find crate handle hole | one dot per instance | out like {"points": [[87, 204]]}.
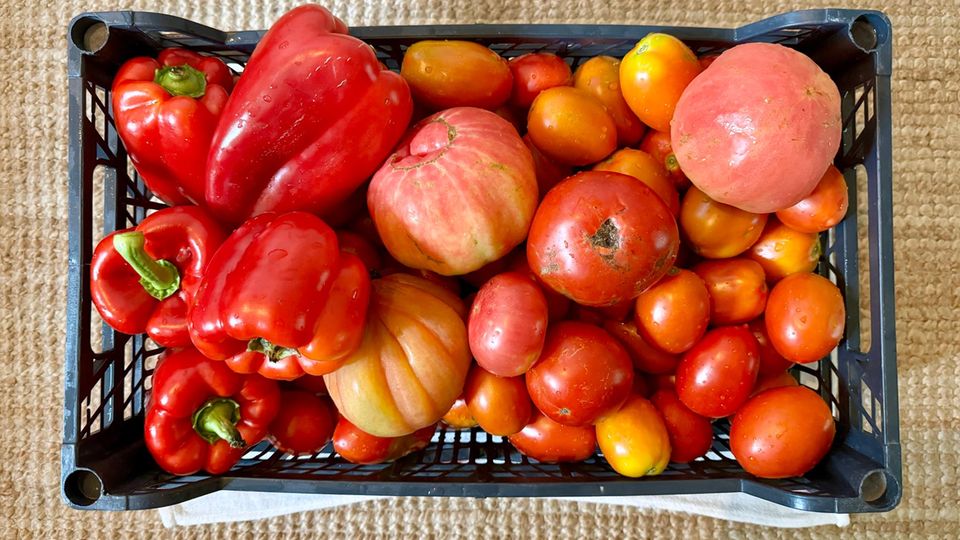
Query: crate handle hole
{"points": [[89, 34], [83, 487], [868, 32], [873, 486]]}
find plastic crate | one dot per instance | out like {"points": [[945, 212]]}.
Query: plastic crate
{"points": [[105, 464]]}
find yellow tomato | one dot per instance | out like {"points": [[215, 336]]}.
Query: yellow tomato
{"points": [[634, 439], [653, 75]]}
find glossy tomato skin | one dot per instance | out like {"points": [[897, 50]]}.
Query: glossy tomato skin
{"points": [[782, 251], [643, 167], [358, 446], [657, 144], [674, 313], [600, 238], [691, 435], [459, 415], [501, 405], [738, 289], [534, 73], [771, 362], [654, 74], [550, 442], [549, 171], [508, 323], [304, 423], [582, 374], [634, 439], [782, 432], [444, 74], [716, 376], [805, 317], [646, 358], [571, 126], [716, 230], [823, 208], [600, 77]]}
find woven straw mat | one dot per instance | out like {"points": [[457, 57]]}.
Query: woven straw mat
{"points": [[33, 258]]}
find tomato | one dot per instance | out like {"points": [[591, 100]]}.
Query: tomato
{"points": [[459, 416], [661, 382], [600, 238], [508, 323], [782, 251], [478, 277], [549, 172], [784, 378], [716, 230], [600, 77], [586, 315], [444, 74], [304, 423], [646, 357], [358, 446], [558, 305], [501, 405], [823, 208], [534, 73], [643, 167], [771, 362], [549, 442], [363, 225], [641, 386], [571, 126], [654, 74], [782, 432], [352, 242], [634, 439], [657, 144], [716, 376], [805, 317], [510, 115], [738, 289], [582, 374], [618, 312], [673, 314], [311, 383], [691, 435]]}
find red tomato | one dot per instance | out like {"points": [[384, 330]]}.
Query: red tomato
{"points": [[784, 378], [673, 314], [459, 416], [805, 317], [661, 382], [645, 168], [358, 446], [311, 383], [690, 434], [771, 362], [782, 251], [657, 144], [558, 305], [738, 289], [535, 72], [501, 405], [716, 230], [352, 242], [510, 115], [823, 208], [641, 386], [654, 74], [549, 442], [571, 126], [634, 439], [716, 376], [582, 374], [445, 74], [618, 312], [646, 357], [586, 315], [600, 238], [600, 77], [782, 432], [507, 325], [549, 172], [304, 423]]}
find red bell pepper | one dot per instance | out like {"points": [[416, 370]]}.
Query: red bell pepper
{"points": [[312, 117], [202, 415], [143, 278], [281, 299], [166, 110]]}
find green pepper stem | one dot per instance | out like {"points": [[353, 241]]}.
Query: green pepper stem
{"points": [[159, 278], [181, 81], [273, 352], [217, 419]]}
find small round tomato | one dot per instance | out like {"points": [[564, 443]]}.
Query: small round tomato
{"points": [[549, 442], [311, 383], [673, 314], [738, 289], [445, 74], [782, 251], [634, 439], [771, 362], [304, 423], [600, 76], [558, 305], [352, 242], [823, 208], [600, 238], [805, 317], [782, 432], [646, 357], [358, 446], [501, 405], [717, 375], [507, 324], [784, 378], [571, 126], [643, 167], [459, 416], [657, 144], [535, 72], [716, 230], [549, 172], [582, 374], [691, 435], [654, 74]]}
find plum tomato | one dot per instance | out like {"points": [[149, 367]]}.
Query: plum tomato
{"points": [[646, 357], [445, 74], [501, 405], [549, 442], [805, 317], [507, 324], [600, 76], [304, 423], [691, 435], [738, 289], [459, 417], [674, 313], [716, 376], [634, 439], [535, 72], [571, 126], [716, 230], [782, 251], [654, 74], [823, 208], [657, 144], [771, 362]]}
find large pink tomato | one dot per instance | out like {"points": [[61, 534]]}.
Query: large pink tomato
{"points": [[459, 192]]}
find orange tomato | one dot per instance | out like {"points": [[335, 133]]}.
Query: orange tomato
{"points": [[716, 230], [738, 289], [657, 144], [634, 440], [646, 358], [654, 74], [600, 76], [805, 317], [444, 74], [571, 126], [782, 251], [673, 314], [459, 417], [501, 405], [643, 167], [823, 208]]}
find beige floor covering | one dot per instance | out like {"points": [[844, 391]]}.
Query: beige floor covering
{"points": [[33, 260]]}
